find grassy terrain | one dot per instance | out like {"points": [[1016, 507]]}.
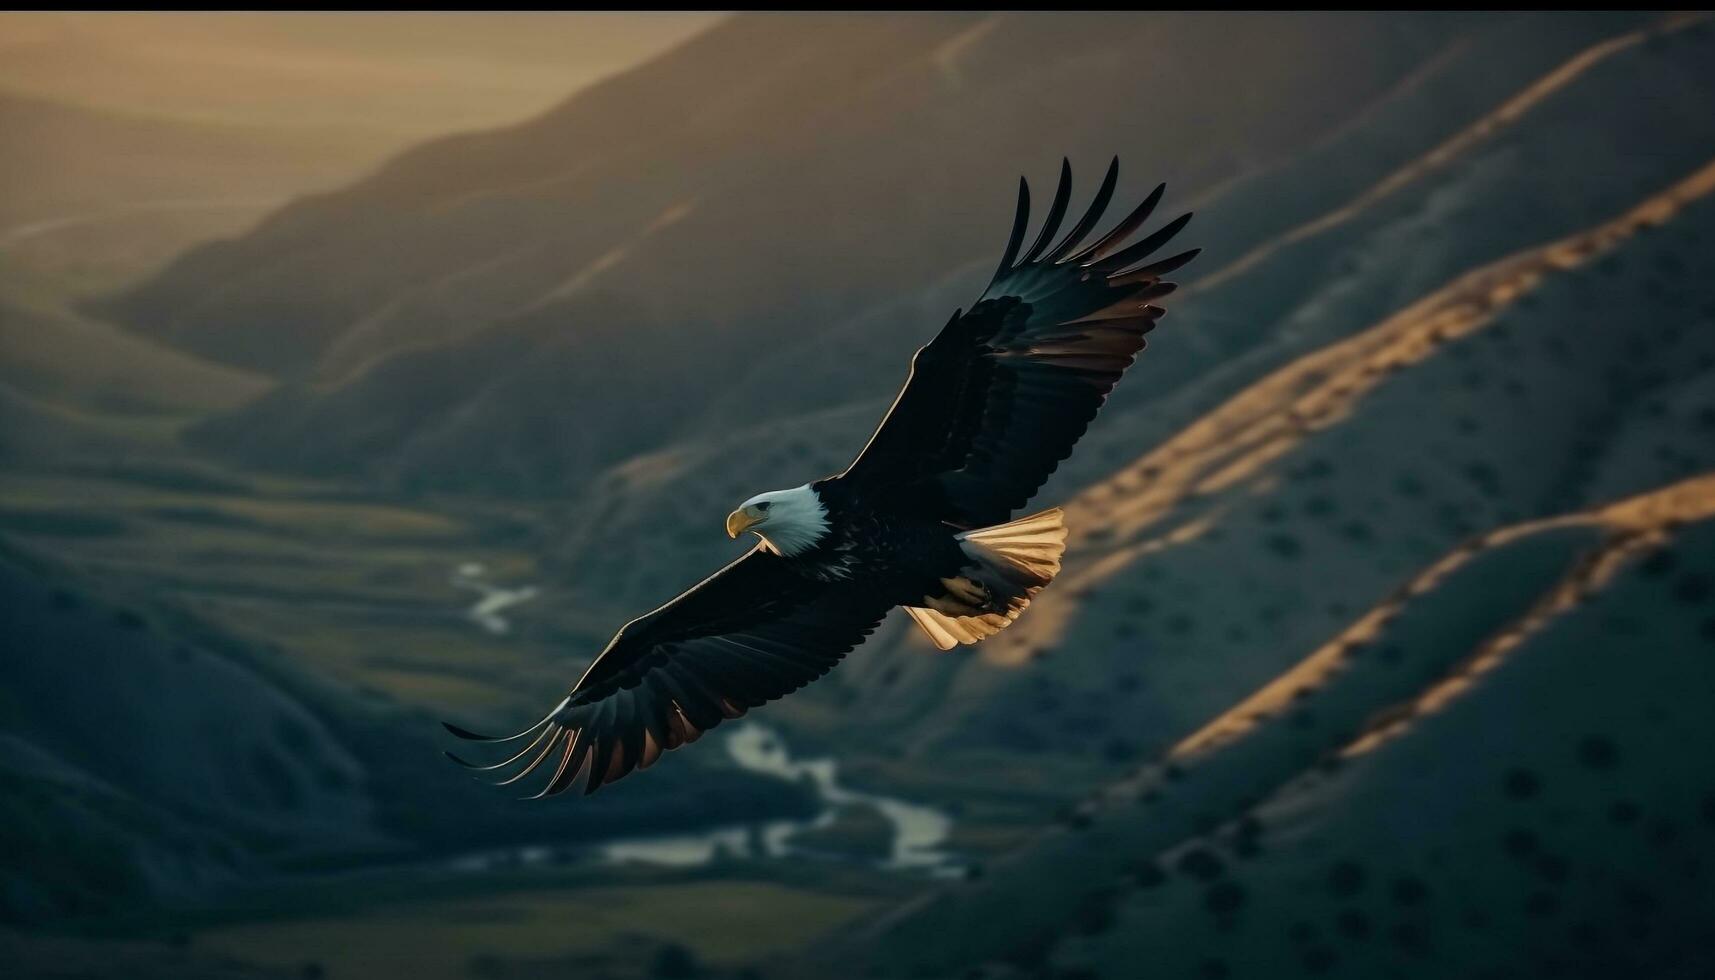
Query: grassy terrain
{"points": [[721, 923], [57, 356], [618, 923], [359, 592]]}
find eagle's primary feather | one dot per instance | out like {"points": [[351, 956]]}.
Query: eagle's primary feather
{"points": [[921, 519]]}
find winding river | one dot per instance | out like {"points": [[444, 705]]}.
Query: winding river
{"points": [[918, 833], [492, 599]]}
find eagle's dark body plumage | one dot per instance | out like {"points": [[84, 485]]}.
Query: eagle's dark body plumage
{"points": [[922, 519], [877, 536]]}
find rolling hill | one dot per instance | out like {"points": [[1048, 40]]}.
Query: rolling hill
{"points": [[1514, 591], [86, 191], [443, 320], [1481, 196], [154, 754], [99, 724]]}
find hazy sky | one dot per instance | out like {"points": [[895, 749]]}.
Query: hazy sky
{"points": [[409, 73]]}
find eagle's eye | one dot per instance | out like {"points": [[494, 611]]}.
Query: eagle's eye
{"points": [[763, 506]]}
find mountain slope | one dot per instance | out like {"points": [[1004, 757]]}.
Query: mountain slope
{"points": [[413, 75], [1206, 594], [1543, 786], [88, 192], [61, 357], [62, 161], [461, 319], [1515, 388], [157, 755], [1448, 557], [1301, 293], [139, 766]]}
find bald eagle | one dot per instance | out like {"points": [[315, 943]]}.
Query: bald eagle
{"points": [[921, 519]]}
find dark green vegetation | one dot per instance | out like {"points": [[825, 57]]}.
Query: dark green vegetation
{"points": [[1384, 642]]}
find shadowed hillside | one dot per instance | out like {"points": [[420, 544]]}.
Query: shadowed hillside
{"points": [[1530, 807], [91, 194], [417, 75], [460, 270], [153, 756], [65, 163], [1196, 583], [138, 765], [1423, 221], [131, 138]]}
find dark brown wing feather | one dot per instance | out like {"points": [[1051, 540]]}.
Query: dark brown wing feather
{"points": [[1003, 393], [752, 632]]}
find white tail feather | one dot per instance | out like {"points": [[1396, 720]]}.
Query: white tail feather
{"points": [[1012, 562], [1033, 543]]}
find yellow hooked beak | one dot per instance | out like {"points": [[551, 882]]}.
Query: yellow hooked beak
{"points": [[742, 520]]}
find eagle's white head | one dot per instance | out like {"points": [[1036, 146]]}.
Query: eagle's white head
{"points": [[788, 521]]}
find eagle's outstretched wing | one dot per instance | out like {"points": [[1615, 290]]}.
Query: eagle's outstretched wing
{"points": [[997, 400], [750, 633]]}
